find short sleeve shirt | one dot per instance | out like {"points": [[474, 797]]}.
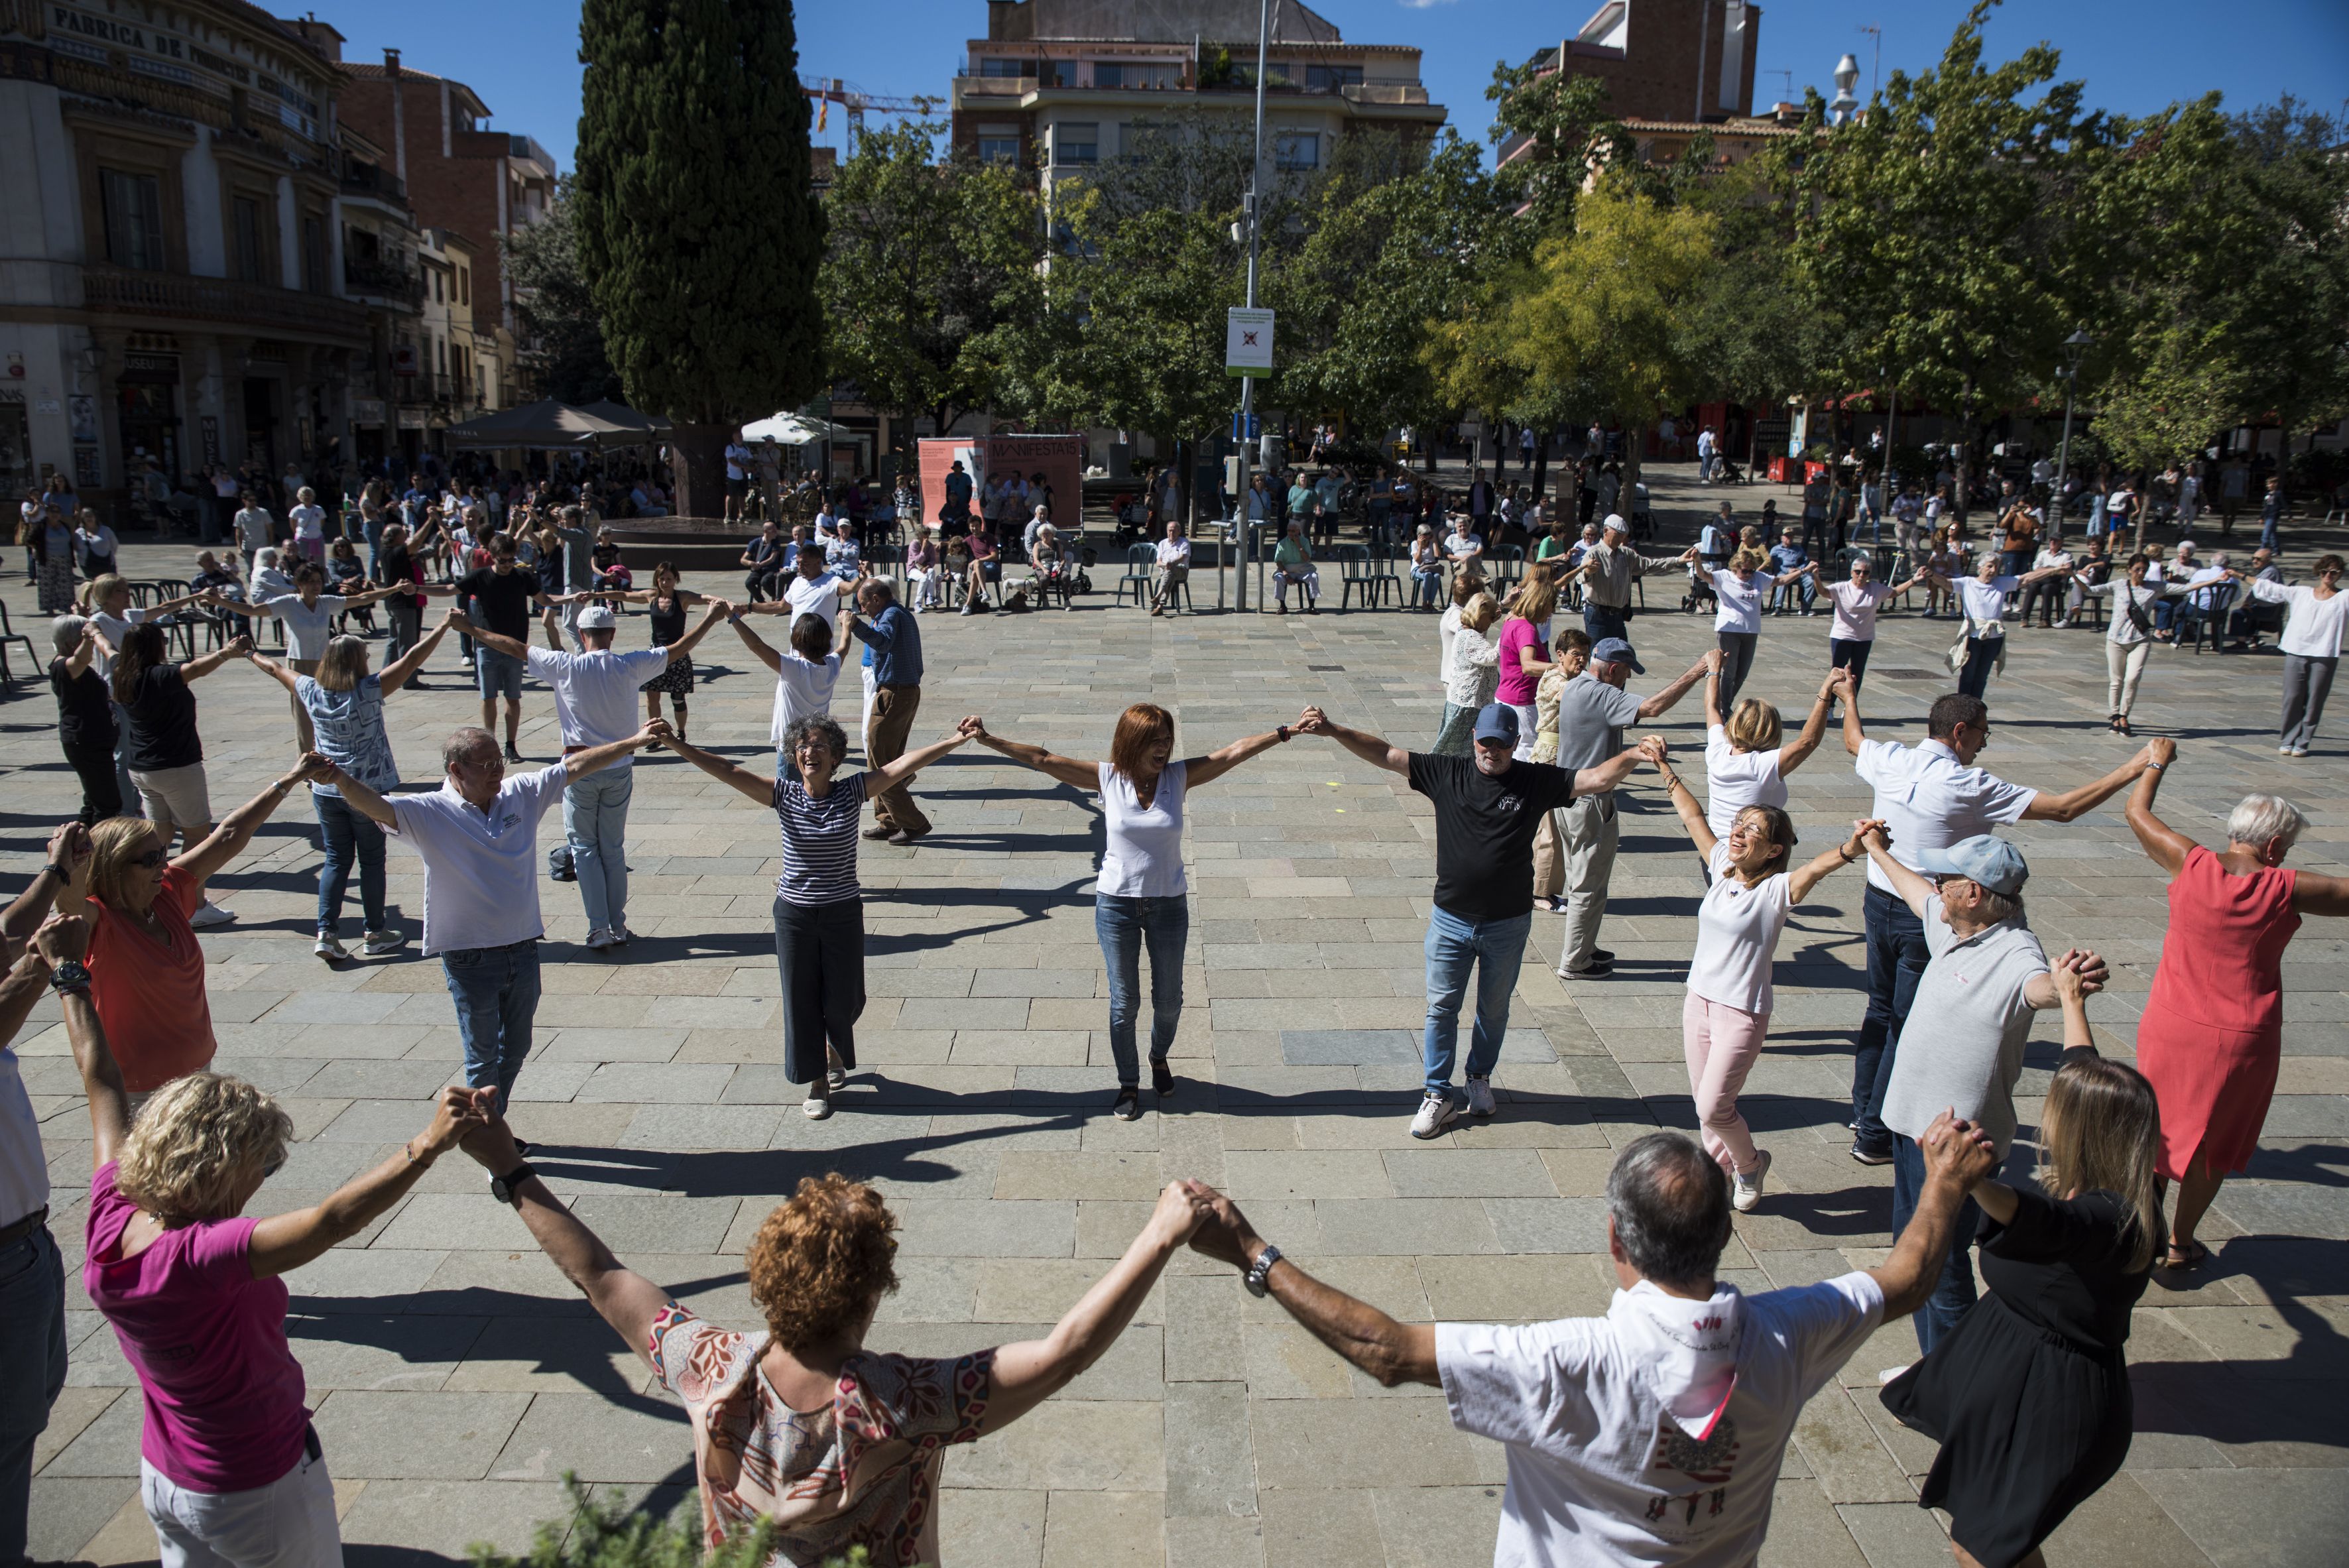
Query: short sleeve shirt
{"points": [[1517, 682], [1736, 780], [1929, 799], [819, 837], [1600, 1474], [1592, 715], [1740, 600], [481, 881], [864, 1471], [596, 693], [150, 994], [1485, 830], [1962, 1047], [349, 727], [1737, 932], [1855, 610]]}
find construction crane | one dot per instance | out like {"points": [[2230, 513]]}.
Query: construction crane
{"points": [[854, 102]]}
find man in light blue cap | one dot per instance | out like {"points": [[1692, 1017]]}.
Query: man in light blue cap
{"points": [[1962, 1047], [1487, 807]]}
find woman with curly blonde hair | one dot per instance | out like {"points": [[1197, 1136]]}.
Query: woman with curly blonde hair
{"points": [[838, 1446], [231, 1471]]}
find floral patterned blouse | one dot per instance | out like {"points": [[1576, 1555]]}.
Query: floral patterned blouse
{"points": [[863, 1473]]}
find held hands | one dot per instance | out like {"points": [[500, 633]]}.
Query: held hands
{"points": [[656, 732], [457, 1115], [1653, 749], [2161, 751], [1222, 1232], [70, 849], [2079, 964], [1312, 721], [1958, 1152], [453, 619], [62, 937], [971, 728], [1872, 836], [1177, 1216], [1712, 661], [241, 647], [1857, 845], [1839, 684]]}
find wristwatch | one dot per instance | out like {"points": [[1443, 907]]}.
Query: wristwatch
{"points": [[1255, 1278], [501, 1188], [69, 977]]}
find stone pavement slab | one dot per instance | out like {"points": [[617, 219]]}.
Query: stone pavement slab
{"points": [[456, 1375]]}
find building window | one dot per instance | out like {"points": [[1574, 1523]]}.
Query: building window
{"points": [[1329, 78], [134, 219], [1059, 73], [1296, 150], [1076, 144], [244, 239], [464, 285], [440, 289], [313, 255], [998, 150], [1004, 65]]}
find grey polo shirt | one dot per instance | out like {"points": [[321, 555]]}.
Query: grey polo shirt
{"points": [[1962, 1049], [1592, 715]]}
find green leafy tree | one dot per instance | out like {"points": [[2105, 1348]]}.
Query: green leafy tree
{"points": [[699, 234], [563, 338], [926, 260], [1552, 128], [1943, 226]]}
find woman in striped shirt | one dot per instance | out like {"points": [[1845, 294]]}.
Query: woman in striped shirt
{"points": [[819, 909]]}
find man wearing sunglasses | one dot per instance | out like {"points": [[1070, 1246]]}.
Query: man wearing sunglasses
{"points": [[478, 836]]}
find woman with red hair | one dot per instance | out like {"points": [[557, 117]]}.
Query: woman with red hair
{"points": [[1140, 898]]}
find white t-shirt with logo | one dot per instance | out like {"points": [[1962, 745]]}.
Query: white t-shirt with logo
{"points": [[1739, 601], [480, 873], [1737, 932], [816, 596], [1617, 1451], [1734, 780], [309, 521]]}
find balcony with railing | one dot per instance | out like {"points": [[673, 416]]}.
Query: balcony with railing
{"points": [[367, 277], [254, 305], [370, 180]]}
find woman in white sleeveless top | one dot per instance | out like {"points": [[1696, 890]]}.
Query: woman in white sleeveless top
{"points": [[1140, 898]]}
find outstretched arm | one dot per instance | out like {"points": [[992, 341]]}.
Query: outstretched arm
{"points": [[580, 764], [60, 938], [1712, 714], [396, 673], [1796, 752], [1067, 770], [1663, 701], [884, 780], [1914, 890], [2165, 844], [197, 669], [684, 645], [1369, 748], [1390, 1351], [69, 859], [271, 668], [1684, 800], [1607, 775], [228, 841], [1854, 735], [1958, 1157], [1804, 878], [754, 786], [1199, 770], [752, 641], [284, 1242], [2076, 803], [621, 1296], [496, 641]]}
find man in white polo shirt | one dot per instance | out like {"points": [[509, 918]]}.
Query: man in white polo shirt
{"points": [[1929, 795], [595, 703], [478, 835], [1653, 1435]]}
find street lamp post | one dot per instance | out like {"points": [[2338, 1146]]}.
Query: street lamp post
{"points": [[2075, 348], [1247, 383]]}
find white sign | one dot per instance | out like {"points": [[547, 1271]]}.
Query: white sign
{"points": [[1247, 342]]}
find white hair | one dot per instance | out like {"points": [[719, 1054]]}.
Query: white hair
{"points": [[2259, 818], [65, 634]]}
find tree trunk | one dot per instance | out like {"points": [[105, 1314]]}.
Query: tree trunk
{"points": [[1541, 462], [1965, 447], [700, 453]]}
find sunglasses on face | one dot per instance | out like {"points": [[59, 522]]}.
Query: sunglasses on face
{"points": [[151, 860]]}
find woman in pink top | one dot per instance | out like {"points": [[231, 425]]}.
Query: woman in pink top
{"points": [[231, 1472], [1524, 640]]}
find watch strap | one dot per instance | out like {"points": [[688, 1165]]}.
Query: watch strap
{"points": [[1261, 1270]]}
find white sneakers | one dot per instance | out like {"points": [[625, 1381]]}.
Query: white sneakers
{"points": [[1437, 1112], [818, 1104], [1745, 1187], [599, 937], [329, 948], [380, 944], [209, 914]]}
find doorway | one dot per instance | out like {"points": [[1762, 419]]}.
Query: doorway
{"points": [[261, 423]]}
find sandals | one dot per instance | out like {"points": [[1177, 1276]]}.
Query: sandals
{"points": [[2121, 725], [2192, 1256]]}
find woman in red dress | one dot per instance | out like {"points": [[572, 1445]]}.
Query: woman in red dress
{"points": [[2212, 1034]]}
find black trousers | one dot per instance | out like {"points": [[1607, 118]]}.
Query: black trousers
{"points": [[1849, 654], [101, 794], [820, 951]]}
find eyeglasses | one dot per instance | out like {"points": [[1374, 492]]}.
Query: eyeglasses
{"points": [[150, 860]]}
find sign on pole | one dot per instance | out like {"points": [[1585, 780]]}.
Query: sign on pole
{"points": [[1247, 342]]}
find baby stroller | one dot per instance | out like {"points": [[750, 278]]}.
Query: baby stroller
{"points": [[1700, 598]]}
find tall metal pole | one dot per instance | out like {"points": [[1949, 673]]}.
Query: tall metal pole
{"points": [[2064, 452], [1247, 383]]}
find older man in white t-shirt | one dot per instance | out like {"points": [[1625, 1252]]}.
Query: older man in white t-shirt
{"points": [[478, 837], [1653, 1435], [1928, 796]]}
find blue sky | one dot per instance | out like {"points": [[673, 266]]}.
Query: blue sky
{"points": [[522, 56]]}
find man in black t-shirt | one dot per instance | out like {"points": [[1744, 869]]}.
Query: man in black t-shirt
{"points": [[1487, 807], [504, 598]]}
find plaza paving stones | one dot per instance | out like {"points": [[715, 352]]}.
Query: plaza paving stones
{"points": [[456, 1377]]}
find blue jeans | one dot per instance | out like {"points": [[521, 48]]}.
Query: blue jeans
{"points": [[1602, 622], [1496, 949], [497, 674], [1896, 957], [2268, 522], [496, 993], [1953, 1294], [32, 1370], [595, 821], [1427, 585], [1125, 925], [372, 527], [345, 834]]}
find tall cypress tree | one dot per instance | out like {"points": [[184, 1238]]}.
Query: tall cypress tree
{"points": [[699, 234]]}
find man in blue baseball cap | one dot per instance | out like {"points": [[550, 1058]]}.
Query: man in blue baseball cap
{"points": [[1962, 1047], [1487, 806]]}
